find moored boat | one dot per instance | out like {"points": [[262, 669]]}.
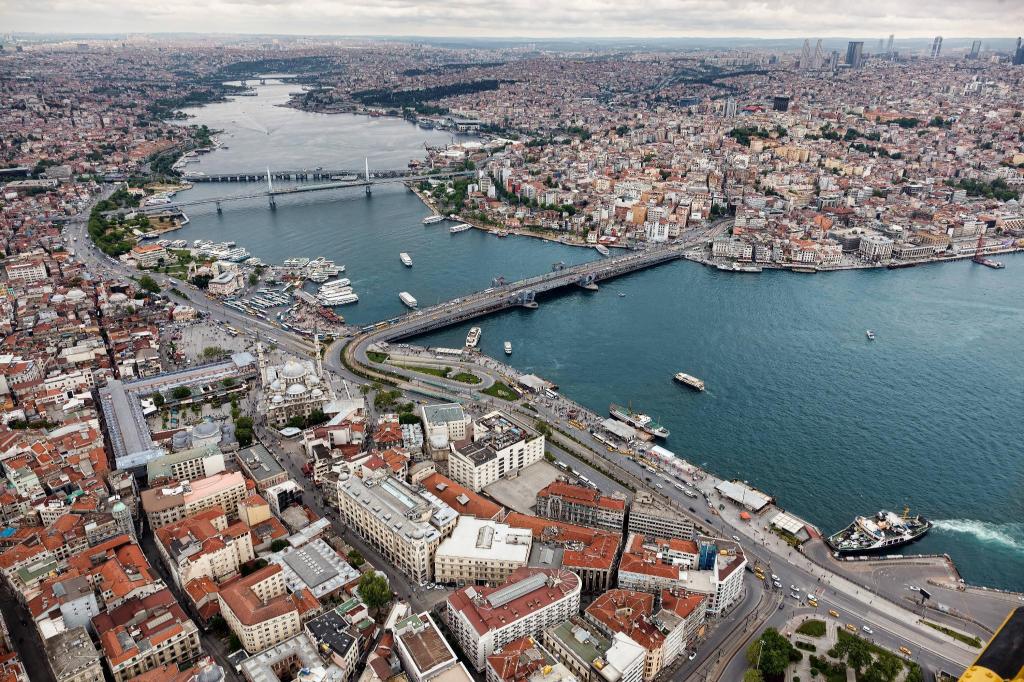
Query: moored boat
{"points": [[473, 337], [462, 227], [432, 219], [508, 348], [638, 420], [883, 532]]}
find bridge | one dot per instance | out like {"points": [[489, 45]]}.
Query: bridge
{"points": [[364, 179], [522, 293], [304, 174]]}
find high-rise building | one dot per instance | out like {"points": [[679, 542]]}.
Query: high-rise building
{"points": [[855, 54], [818, 60], [805, 56], [936, 47], [780, 103], [730, 107], [1018, 55], [975, 49], [889, 47]]}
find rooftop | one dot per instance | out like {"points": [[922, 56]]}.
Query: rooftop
{"points": [[424, 644], [315, 566], [485, 539], [527, 590], [259, 463]]}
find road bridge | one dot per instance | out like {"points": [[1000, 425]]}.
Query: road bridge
{"points": [[304, 174]]}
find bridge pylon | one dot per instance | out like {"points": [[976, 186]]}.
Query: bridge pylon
{"points": [[270, 190], [367, 176]]}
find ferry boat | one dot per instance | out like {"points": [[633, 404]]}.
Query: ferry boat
{"points": [[296, 262], [432, 219], [462, 227], [473, 337], [236, 255], [602, 249], [638, 420], [882, 533], [689, 380], [508, 348], [335, 285], [408, 299], [339, 299], [406, 259], [870, 334]]}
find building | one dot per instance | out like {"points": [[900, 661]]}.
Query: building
{"points": [[444, 424], [186, 465], [315, 567], [499, 448], [484, 619], [423, 650], [649, 516], [294, 389], [180, 500], [226, 283], [936, 47], [335, 638], [292, 656], [26, 269], [582, 505], [145, 633], [875, 247], [259, 610], [525, 660], [855, 54], [405, 524], [707, 566], [149, 255], [780, 103], [73, 657], [592, 656], [204, 546], [481, 552], [261, 466], [590, 553]]}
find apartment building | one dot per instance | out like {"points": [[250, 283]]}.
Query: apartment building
{"points": [[204, 546], [484, 619], [146, 633], [444, 424], [525, 660], [261, 466], [25, 269], [423, 650], [499, 447], [582, 505], [481, 551], [593, 657], [176, 501], [648, 516], [149, 255], [73, 657], [630, 613], [590, 553], [186, 465], [405, 524], [259, 610]]}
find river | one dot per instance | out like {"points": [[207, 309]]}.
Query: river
{"points": [[799, 403]]}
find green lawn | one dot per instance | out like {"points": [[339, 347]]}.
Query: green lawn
{"points": [[467, 378], [442, 372], [374, 356], [812, 628], [966, 639], [501, 390]]}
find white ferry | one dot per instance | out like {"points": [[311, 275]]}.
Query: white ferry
{"points": [[408, 299], [406, 259], [602, 249], [339, 299], [296, 262], [508, 348], [335, 285], [473, 337], [432, 219], [462, 227]]}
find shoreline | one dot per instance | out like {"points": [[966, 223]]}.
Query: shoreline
{"points": [[802, 268]]}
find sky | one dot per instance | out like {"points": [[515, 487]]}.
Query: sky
{"points": [[525, 18]]}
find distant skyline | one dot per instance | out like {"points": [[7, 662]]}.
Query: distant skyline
{"points": [[527, 18]]}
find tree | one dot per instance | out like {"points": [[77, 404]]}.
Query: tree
{"points": [[355, 559], [753, 675], [772, 653], [278, 545], [253, 279], [374, 590], [212, 352], [181, 392], [543, 428], [158, 399], [149, 284], [234, 644]]}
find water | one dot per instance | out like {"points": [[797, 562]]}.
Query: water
{"points": [[798, 403]]}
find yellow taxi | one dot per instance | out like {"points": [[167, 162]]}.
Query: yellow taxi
{"points": [[833, 613], [851, 628], [905, 651]]}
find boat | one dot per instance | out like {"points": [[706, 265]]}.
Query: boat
{"points": [[622, 295], [508, 348], [462, 227], [870, 334], [406, 259], [602, 249], [335, 285], [408, 299], [473, 337], [689, 380], [882, 533], [638, 420], [339, 299], [432, 219]]}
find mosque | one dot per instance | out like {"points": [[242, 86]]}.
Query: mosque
{"points": [[294, 389]]}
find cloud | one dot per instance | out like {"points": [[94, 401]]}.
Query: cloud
{"points": [[534, 18]]}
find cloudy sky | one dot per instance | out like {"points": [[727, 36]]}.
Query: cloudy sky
{"points": [[534, 18]]}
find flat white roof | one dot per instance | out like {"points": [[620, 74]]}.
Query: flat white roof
{"points": [[788, 523], [751, 498], [485, 539]]}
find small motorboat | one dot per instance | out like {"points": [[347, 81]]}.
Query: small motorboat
{"points": [[870, 334]]}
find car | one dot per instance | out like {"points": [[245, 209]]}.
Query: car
{"points": [[693, 510], [736, 538], [833, 613], [777, 584], [867, 630], [795, 595], [794, 588], [775, 578], [851, 627], [693, 655], [905, 651], [781, 605]]}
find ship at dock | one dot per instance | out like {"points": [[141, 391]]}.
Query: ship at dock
{"points": [[462, 227], [879, 534], [473, 337], [638, 420], [431, 219]]}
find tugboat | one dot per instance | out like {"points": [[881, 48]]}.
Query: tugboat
{"points": [[882, 533], [638, 420]]}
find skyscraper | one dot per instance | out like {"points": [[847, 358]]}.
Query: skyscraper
{"points": [[888, 49], [975, 49], [855, 54], [805, 56], [730, 107], [936, 47]]}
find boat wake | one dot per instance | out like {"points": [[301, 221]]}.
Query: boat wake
{"points": [[1006, 534]]}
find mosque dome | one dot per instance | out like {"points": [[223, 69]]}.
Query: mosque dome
{"points": [[293, 370], [296, 389]]}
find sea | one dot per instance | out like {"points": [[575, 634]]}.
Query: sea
{"points": [[799, 403]]}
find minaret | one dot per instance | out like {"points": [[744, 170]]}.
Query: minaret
{"points": [[261, 360], [316, 350]]}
